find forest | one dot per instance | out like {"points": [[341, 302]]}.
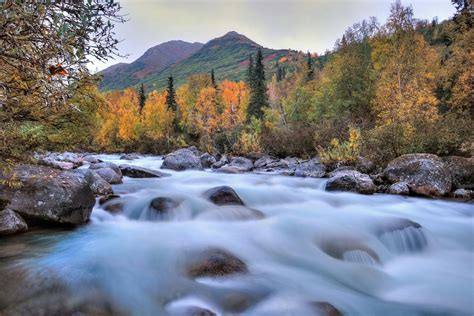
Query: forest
{"points": [[386, 89]]}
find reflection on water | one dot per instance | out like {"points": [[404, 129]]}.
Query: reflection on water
{"points": [[365, 255]]}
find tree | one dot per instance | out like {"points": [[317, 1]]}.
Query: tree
{"points": [[235, 97], [141, 98], [213, 79], [250, 72], [258, 88], [171, 102], [157, 117], [310, 70], [279, 72], [207, 118]]}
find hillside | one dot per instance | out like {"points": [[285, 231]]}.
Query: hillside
{"points": [[157, 58], [227, 55]]}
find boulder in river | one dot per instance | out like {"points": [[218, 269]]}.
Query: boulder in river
{"points": [[312, 168], [11, 223], [162, 206], [182, 159], [91, 159], [462, 171], [351, 181], [224, 160], [425, 174], [111, 165], [140, 172], [326, 309], [463, 194], [109, 175], [241, 164], [49, 195], [97, 184], [129, 157], [215, 262], [207, 160], [223, 195]]}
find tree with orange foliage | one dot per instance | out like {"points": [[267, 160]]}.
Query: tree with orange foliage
{"points": [[207, 117], [235, 100], [157, 118]]}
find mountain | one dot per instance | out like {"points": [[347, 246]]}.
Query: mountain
{"points": [[227, 55], [155, 59]]}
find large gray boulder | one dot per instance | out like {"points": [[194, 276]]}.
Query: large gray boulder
{"points": [[425, 174], [351, 181], [109, 175], [223, 195], [182, 159], [97, 184], [312, 168], [44, 194], [140, 172], [11, 223], [462, 171], [102, 165]]}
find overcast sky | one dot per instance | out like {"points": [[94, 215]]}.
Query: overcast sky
{"points": [[312, 25]]}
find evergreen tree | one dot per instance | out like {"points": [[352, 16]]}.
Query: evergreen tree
{"points": [[250, 72], [279, 74], [258, 88], [213, 79], [141, 98], [171, 101], [310, 75]]}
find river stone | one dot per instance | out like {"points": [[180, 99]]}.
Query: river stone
{"points": [[97, 184], [140, 172], [91, 159], [352, 181], [425, 174], [215, 262], [223, 195], [104, 164], [463, 194], [113, 205], [241, 164], [50, 195], [207, 160], [129, 157], [109, 175], [337, 248], [311, 168], [399, 188], [105, 198], [462, 171], [182, 159], [326, 309], [11, 223], [63, 165], [163, 205], [224, 160], [364, 165]]}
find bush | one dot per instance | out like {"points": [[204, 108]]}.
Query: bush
{"points": [[338, 151]]}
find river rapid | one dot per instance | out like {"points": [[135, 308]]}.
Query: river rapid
{"points": [[365, 255]]}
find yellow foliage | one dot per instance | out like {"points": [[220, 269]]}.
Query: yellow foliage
{"points": [[157, 119]]}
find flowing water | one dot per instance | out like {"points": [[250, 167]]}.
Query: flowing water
{"points": [[365, 255]]}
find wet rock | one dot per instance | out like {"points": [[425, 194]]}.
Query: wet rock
{"points": [[463, 194], [267, 162], [253, 155], [63, 165], [109, 175], [192, 311], [207, 160], [311, 168], [223, 195], [11, 223], [351, 181], [399, 188], [224, 160], [182, 159], [215, 262], [105, 198], [163, 205], [425, 174], [129, 157], [241, 164], [102, 165], [350, 250], [326, 309], [50, 195], [462, 171], [194, 150], [140, 172], [113, 206], [402, 235], [91, 159], [97, 184]]}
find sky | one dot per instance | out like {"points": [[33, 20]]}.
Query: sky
{"points": [[306, 25]]}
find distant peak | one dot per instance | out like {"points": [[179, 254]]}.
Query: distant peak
{"points": [[231, 33]]}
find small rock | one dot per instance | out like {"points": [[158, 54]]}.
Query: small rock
{"points": [[311, 168], [399, 188], [110, 165], [463, 194], [113, 206], [215, 262], [97, 184], [223, 195], [207, 160], [352, 181], [129, 157], [241, 164], [224, 160], [91, 159], [140, 172], [109, 175], [11, 223], [326, 309], [161, 207], [105, 198]]}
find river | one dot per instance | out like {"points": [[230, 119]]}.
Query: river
{"points": [[365, 255]]}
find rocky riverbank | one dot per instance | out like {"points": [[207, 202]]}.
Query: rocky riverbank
{"points": [[58, 192]]}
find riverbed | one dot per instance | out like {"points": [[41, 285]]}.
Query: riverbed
{"points": [[364, 255]]}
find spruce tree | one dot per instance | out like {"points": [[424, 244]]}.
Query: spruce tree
{"points": [[250, 71], [279, 73], [141, 98], [310, 75], [213, 79], [258, 88], [171, 101]]}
